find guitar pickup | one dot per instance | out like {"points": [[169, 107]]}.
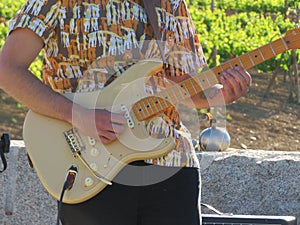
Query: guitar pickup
{"points": [[127, 116]]}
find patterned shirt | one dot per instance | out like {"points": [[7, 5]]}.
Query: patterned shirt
{"points": [[109, 36]]}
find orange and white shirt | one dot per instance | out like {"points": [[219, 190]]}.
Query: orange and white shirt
{"points": [[115, 34]]}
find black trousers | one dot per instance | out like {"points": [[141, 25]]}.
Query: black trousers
{"points": [[142, 195]]}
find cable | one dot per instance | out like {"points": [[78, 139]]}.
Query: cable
{"points": [[215, 210], [4, 148], [68, 184]]}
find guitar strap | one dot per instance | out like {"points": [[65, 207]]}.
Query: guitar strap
{"points": [[150, 8], [153, 19]]}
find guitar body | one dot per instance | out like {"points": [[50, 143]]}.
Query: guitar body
{"points": [[51, 143]]}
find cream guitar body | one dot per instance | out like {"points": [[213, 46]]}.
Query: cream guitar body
{"points": [[54, 146]]}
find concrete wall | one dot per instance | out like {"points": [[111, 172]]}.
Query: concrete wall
{"points": [[239, 181]]}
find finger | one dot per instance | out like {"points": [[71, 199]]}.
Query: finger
{"points": [[227, 90], [245, 75], [105, 140], [107, 136], [118, 118], [232, 82], [240, 80]]}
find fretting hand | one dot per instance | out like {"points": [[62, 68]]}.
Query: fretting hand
{"points": [[236, 82]]}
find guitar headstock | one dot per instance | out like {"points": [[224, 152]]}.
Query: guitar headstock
{"points": [[292, 38]]}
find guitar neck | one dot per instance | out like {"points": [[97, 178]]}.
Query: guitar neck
{"points": [[153, 105]]}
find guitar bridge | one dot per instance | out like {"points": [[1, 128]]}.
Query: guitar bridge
{"points": [[74, 141]]}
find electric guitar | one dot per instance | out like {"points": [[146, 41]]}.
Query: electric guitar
{"points": [[54, 146]]}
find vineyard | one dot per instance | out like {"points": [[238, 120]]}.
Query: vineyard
{"points": [[229, 28]]}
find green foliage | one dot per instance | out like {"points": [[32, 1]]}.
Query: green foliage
{"points": [[259, 6], [9, 8], [239, 26]]}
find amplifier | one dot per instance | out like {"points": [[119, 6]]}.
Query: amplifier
{"points": [[213, 219]]}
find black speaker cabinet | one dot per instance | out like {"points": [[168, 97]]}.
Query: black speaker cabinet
{"points": [[212, 219]]}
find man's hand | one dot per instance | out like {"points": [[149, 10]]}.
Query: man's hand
{"points": [[100, 124], [236, 82]]}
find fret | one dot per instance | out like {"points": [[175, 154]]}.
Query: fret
{"points": [[154, 104], [140, 110], [225, 66], [230, 65], [262, 56], [217, 71], [180, 91], [279, 46], [236, 62], [162, 100], [193, 85], [246, 61], [212, 79], [239, 58], [146, 112], [166, 103], [200, 82], [284, 44], [174, 93], [256, 57], [149, 106], [273, 51], [250, 57], [204, 81], [209, 78], [186, 90], [267, 52], [158, 99], [188, 86], [166, 96]]}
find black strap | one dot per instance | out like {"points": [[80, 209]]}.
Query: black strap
{"points": [[152, 16], [149, 6]]}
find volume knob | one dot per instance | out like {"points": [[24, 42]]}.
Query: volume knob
{"points": [[95, 152]]}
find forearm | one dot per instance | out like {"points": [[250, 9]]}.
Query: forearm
{"points": [[20, 49], [22, 85]]}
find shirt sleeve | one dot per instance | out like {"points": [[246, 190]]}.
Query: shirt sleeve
{"points": [[38, 16]]}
